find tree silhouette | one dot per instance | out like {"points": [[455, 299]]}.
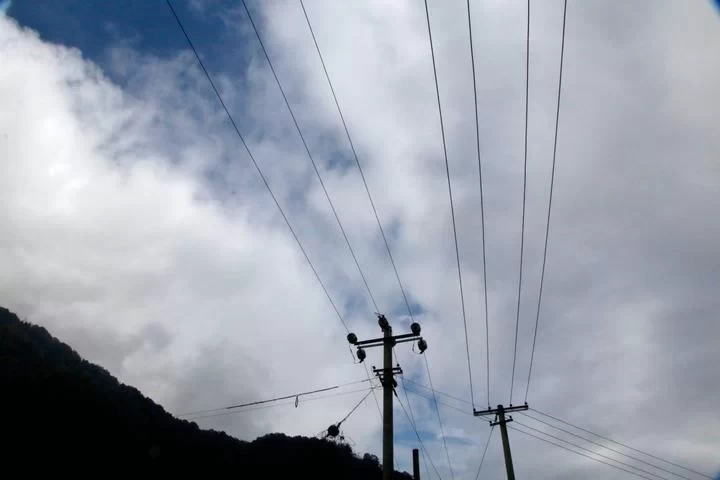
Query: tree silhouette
{"points": [[64, 413]]}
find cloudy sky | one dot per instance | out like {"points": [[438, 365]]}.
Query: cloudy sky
{"points": [[137, 230]]}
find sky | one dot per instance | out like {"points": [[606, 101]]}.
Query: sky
{"points": [[136, 229]]}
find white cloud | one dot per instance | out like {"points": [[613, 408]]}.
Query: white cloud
{"points": [[194, 291]]}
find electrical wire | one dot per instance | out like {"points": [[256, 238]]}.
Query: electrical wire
{"points": [[622, 444], [552, 184], [364, 180], [417, 434], [355, 407], [254, 162], [272, 405], [427, 470], [578, 453], [430, 399], [275, 399], [439, 392], [437, 410], [377, 403], [522, 228], [452, 206], [592, 452], [604, 446], [310, 156], [365, 184], [482, 207], [357, 162], [482, 459]]}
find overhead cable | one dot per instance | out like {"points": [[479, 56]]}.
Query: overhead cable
{"points": [[622, 444], [417, 434], [603, 446], [524, 197], [309, 154], [274, 399], [277, 404], [450, 194], [646, 472], [579, 453], [482, 206], [482, 459], [552, 184], [255, 164]]}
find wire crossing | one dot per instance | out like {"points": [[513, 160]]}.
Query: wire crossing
{"points": [[482, 205], [552, 184], [524, 198], [422, 445], [442, 429], [367, 190]]}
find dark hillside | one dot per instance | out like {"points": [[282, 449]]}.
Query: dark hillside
{"points": [[62, 412]]}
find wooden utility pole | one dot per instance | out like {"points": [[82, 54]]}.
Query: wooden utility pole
{"points": [[501, 420], [416, 464], [388, 389], [386, 374]]}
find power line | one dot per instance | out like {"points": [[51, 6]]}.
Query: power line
{"points": [[267, 185], [522, 228], [592, 452], [365, 184], [437, 410], [604, 446], [552, 184], [355, 407], [482, 207], [275, 399], [452, 207], [623, 445], [439, 392], [427, 470], [254, 162], [357, 161], [482, 459], [430, 399], [417, 434], [377, 403], [578, 453], [310, 156], [272, 405]]}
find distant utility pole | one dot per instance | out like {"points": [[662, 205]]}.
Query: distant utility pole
{"points": [[386, 374], [416, 464], [500, 419]]}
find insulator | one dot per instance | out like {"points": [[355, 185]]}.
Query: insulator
{"points": [[352, 338], [422, 345], [361, 354], [415, 328], [383, 322]]}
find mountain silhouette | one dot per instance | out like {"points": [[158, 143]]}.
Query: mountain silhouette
{"points": [[65, 414]]}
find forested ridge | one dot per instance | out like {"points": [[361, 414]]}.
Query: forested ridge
{"points": [[62, 412]]}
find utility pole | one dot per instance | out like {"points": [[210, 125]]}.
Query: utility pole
{"points": [[416, 464], [386, 374], [501, 420]]}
